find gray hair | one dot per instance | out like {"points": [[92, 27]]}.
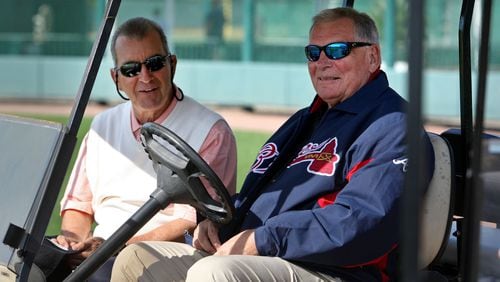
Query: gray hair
{"points": [[138, 28], [364, 25]]}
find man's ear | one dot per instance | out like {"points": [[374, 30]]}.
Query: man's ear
{"points": [[173, 65], [113, 74], [374, 58]]}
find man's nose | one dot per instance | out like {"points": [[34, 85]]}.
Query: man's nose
{"points": [[145, 74], [323, 58]]}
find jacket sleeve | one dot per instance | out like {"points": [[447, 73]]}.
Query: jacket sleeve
{"points": [[362, 223]]}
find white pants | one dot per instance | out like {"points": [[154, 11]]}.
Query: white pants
{"points": [[170, 261]]}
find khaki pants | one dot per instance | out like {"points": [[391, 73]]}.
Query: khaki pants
{"points": [[170, 261]]}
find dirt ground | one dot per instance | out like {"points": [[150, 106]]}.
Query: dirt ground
{"points": [[238, 118]]}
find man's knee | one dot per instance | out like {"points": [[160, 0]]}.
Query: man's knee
{"points": [[126, 262], [211, 268], [146, 260], [126, 256], [221, 268]]}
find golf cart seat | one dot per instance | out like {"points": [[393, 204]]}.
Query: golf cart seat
{"points": [[437, 210], [489, 233]]}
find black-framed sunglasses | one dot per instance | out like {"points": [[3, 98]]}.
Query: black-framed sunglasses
{"points": [[334, 50], [153, 63]]}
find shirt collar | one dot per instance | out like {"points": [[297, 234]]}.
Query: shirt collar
{"points": [[136, 126]]}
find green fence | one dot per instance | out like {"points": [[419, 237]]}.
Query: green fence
{"points": [[278, 28]]}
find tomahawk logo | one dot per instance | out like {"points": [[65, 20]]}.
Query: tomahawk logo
{"points": [[267, 152], [403, 162], [322, 157]]}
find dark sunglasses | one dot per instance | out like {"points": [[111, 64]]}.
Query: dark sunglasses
{"points": [[334, 50], [154, 63]]}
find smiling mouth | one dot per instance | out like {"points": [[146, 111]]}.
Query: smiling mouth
{"points": [[147, 90], [328, 78]]}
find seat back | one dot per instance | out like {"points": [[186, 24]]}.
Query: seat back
{"points": [[437, 209]]}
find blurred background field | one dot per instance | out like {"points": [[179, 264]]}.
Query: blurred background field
{"points": [[257, 62]]}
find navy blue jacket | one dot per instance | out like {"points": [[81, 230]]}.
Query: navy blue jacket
{"points": [[324, 190]]}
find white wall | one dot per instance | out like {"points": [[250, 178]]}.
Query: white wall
{"points": [[224, 83]]}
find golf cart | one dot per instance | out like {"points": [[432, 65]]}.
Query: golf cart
{"points": [[448, 244], [468, 225]]}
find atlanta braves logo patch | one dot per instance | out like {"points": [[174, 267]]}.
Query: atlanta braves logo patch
{"points": [[322, 158], [264, 159]]}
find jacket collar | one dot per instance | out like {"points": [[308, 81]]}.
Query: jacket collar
{"points": [[366, 95]]}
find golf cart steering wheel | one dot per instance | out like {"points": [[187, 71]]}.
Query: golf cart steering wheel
{"points": [[166, 149]]}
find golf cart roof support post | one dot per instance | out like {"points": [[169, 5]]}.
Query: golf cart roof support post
{"points": [[93, 65], [465, 80], [411, 198], [474, 187], [464, 57], [348, 3], [68, 141]]}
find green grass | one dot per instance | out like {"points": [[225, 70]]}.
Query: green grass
{"points": [[248, 143]]}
